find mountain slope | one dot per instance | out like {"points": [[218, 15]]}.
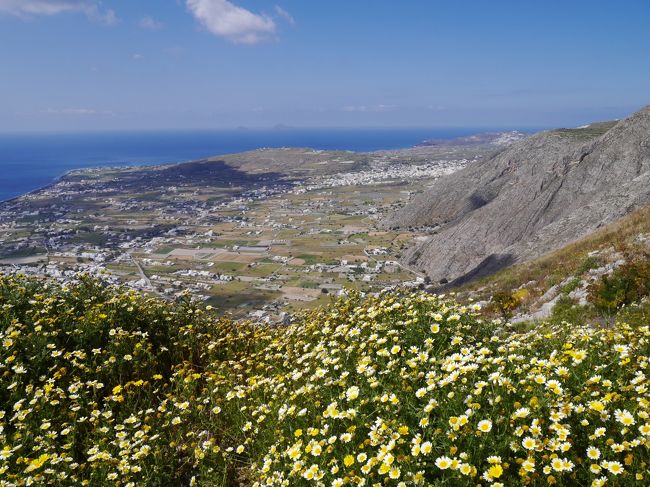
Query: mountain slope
{"points": [[530, 198]]}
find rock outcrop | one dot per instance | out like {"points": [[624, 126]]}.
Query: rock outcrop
{"points": [[530, 198]]}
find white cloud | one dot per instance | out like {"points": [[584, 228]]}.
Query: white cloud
{"points": [[369, 109], [42, 7], [285, 15], [148, 22], [224, 19], [137, 56], [77, 111], [26, 8], [108, 16]]}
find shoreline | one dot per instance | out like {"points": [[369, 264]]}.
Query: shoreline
{"points": [[58, 178]]}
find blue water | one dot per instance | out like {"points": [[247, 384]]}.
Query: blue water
{"points": [[28, 162]]}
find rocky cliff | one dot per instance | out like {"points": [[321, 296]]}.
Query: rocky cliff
{"points": [[530, 198]]}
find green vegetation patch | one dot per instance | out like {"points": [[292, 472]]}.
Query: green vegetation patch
{"points": [[93, 238], [228, 267], [587, 133], [314, 259], [309, 285], [628, 284], [165, 250], [21, 253], [570, 286]]}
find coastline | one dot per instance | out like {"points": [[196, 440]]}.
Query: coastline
{"points": [[40, 157], [412, 142], [56, 180]]}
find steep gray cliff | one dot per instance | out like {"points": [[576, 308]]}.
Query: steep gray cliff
{"points": [[530, 198]]}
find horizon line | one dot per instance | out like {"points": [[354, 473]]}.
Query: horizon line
{"points": [[288, 128]]}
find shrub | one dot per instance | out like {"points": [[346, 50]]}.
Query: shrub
{"points": [[567, 310], [570, 286], [628, 284], [590, 262], [505, 303]]}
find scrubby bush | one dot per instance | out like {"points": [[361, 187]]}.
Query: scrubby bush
{"points": [[590, 262], [628, 284], [570, 286], [568, 310], [504, 303]]}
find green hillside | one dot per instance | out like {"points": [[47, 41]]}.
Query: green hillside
{"points": [[103, 386], [588, 132]]}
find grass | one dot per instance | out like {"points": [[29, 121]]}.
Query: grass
{"points": [[315, 259], [570, 286], [567, 310], [263, 269], [229, 267], [589, 263]]}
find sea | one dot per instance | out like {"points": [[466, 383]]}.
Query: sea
{"points": [[31, 161]]}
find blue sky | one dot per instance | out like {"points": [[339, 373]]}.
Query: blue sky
{"points": [[188, 64]]}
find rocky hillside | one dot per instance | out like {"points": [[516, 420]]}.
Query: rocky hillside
{"points": [[532, 197]]}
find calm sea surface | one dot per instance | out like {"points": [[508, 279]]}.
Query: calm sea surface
{"points": [[28, 162]]}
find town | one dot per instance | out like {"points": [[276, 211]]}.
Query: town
{"points": [[249, 240]]}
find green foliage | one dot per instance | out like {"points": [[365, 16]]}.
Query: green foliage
{"points": [[590, 262], [570, 286], [505, 303], [628, 284], [309, 284], [566, 310], [638, 313], [311, 259]]}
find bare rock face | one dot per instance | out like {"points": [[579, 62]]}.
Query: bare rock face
{"points": [[532, 197]]}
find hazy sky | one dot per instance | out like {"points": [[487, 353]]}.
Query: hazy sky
{"points": [[150, 64]]}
